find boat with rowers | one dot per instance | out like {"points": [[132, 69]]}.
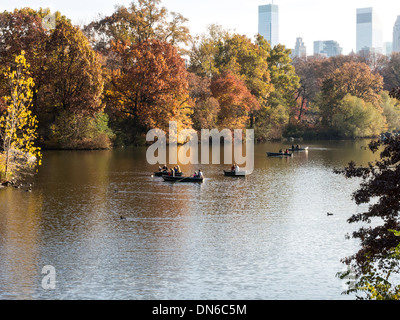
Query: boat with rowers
{"points": [[183, 179], [279, 154], [164, 171], [197, 177], [298, 148], [235, 172]]}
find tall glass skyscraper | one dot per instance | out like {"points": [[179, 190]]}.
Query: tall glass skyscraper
{"points": [[369, 31], [268, 23], [396, 35]]}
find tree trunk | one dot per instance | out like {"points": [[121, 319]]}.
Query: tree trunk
{"points": [[7, 164]]}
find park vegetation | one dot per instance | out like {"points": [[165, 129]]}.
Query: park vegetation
{"points": [[376, 265], [107, 83]]}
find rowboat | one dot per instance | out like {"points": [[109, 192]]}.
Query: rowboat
{"points": [[279, 154], [165, 173], [182, 179], [298, 149], [235, 173]]}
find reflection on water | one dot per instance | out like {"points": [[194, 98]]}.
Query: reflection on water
{"points": [[266, 236]]}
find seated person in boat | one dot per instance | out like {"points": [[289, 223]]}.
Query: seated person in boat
{"points": [[292, 146], [287, 151], [233, 168], [297, 147], [198, 174], [171, 172], [280, 151], [178, 169], [236, 168]]}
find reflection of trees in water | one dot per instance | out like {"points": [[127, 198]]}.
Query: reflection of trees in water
{"points": [[20, 245]]}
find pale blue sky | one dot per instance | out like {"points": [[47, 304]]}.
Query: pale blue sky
{"points": [[310, 19]]}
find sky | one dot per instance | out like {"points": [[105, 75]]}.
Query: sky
{"points": [[311, 20]]}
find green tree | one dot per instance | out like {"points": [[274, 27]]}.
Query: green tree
{"points": [[391, 111], [283, 77], [355, 118]]}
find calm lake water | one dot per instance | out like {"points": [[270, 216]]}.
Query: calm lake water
{"points": [[266, 236]]}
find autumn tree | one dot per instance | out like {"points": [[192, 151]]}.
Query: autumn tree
{"points": [[73, 73], [220, 52], [235, 101], [395, 93], [66, 71], [204, 50], [142, 20], [281, 104], [17, 124], [309, 82], [20, 30], [353, 78], [206, 107], [248, 60], [151, 86], [391, 71]]}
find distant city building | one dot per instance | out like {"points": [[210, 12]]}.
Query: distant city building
{"points": [[318, 48], [387, 48], [396, 35], [328, 48], [300, 49], [369, 31], [268, 23]]}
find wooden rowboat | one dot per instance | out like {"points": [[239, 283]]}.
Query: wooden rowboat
{"points": [[235, 173], [298, 149], [182, 179], [279, 154], [165, 173]]}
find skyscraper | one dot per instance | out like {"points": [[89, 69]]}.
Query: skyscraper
{"points": [[396, 35], [300, 49], [319, 48], [387, 48], [268, 23], [369, 31], [327, 48]]}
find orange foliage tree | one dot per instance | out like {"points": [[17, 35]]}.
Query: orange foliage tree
{"points": [[150, 86], [235, 101]]}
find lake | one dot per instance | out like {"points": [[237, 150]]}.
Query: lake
{"points": [[266, 236]]}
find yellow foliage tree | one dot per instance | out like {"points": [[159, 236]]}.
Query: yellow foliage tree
{"points": [[17, 124]]}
